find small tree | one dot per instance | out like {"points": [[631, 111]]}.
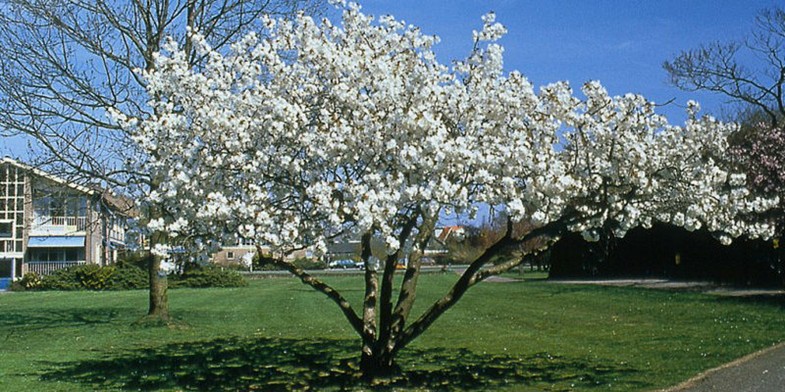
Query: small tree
{"points": [[322, 130]]}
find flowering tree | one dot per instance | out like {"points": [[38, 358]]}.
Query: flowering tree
{"points": [[759, 151], [320, 130]]}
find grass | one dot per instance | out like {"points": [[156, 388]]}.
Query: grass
{"points": [[277, 334]]}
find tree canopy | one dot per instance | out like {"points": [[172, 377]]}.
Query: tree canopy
{"points": [[309, 130]]}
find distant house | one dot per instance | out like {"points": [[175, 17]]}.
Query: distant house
{"points": [[240, 252], [437, 247], [443, 234], [343, 250], [48, 223], [243, 251]]}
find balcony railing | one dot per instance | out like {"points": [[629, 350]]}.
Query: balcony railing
{"points": [[79, 223], [47, 267]]}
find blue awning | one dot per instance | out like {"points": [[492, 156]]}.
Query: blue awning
{"points": [[56, 242]]}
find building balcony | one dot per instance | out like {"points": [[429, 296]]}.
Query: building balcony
{"points": [[58, 225]]}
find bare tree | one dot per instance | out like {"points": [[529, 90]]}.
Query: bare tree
{"points": [[717, 67], [64, 63]]}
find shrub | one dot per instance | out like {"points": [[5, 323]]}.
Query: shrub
{"points": [[139, 259], [129, 277], [309, 264], [30, 281], [302, 262], [62, 279], [207, 276], [95, 277]]}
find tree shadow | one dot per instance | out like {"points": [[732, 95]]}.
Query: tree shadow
{"points": [[40, 319], [272, 364], [776, 300]]}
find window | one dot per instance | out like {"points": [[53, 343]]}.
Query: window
{"points": [[230, 255], [6, 229], [57, 255], [72, 254], [56, 207]]}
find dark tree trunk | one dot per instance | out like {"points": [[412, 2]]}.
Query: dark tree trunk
{"points": [[379, 363]]}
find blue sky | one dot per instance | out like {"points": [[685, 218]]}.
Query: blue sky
{"points": [[620, 43]]}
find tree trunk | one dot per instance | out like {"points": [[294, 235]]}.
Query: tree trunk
{"points": [[159, 302], [378, 363]]}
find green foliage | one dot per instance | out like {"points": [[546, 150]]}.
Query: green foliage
{"points": [[309, 264], [302, 262], [129, 277], [95, 277], [138, 259], [30, 281], [62, 279], [207, 276]]}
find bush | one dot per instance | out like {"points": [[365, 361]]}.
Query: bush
{"points": [[30, 281], [302, 262], [129, 277], [95, 277], [207, 276], [139, 259], [309, 264], [62, 279]]}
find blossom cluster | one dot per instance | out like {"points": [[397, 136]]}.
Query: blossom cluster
{"points": [[318, 130]]}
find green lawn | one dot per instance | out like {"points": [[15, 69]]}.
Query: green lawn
{"points": [[276, 334]]}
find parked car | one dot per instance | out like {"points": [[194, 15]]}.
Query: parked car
{"points": [[345, 263]]}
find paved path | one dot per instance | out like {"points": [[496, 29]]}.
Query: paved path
{"points": [[763, 371]]}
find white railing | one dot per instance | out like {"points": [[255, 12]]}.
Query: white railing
{"points": [[79, 222], [47, 267]]}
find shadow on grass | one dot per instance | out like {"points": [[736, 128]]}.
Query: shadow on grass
{"points": [[49, 318], [324, 364], [777, 300]]}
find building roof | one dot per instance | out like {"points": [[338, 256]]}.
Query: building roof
{"points": [[449, 231], [48, 176]]}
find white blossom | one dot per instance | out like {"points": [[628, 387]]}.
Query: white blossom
{"points": [[308, 130]]}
